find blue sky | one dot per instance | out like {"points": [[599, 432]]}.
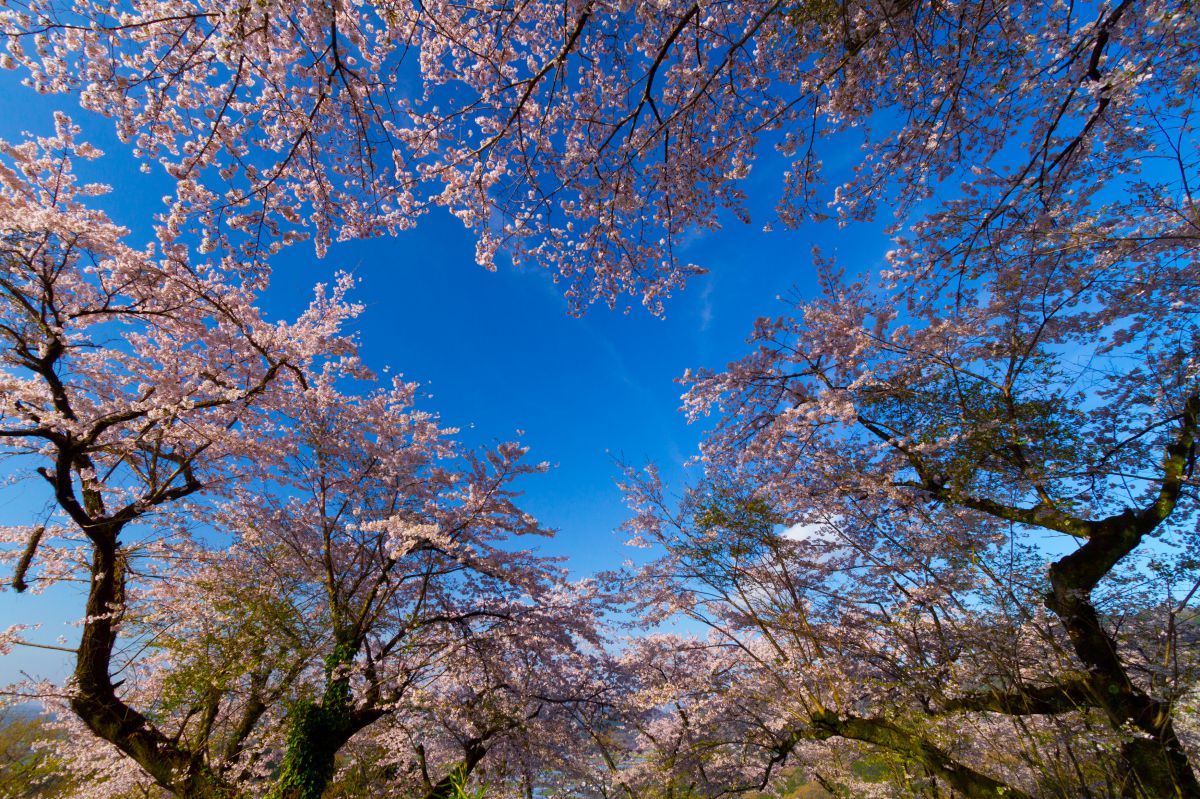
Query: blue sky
{"points": [[497, 352]]}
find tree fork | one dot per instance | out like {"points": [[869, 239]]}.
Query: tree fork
{"points": [[317, 731]]}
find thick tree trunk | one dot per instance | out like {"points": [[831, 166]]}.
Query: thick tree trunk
{"points": [[1159, 769], [316, 732], [94, 699], [1158, 766]]}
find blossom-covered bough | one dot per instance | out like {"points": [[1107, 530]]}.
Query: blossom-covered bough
{"points": [[964, 535], [950, 511], [591, 136]]}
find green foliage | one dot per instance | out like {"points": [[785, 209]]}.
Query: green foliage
{"points": [[253, 629], [733, 526], [459, 789], [27, 769], [308, 762], [337, 698]]}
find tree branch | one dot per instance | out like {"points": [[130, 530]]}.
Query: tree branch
{"points": [[963, 779], [1072, 694]]}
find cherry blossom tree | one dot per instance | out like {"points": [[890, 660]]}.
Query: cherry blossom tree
{"points": [[952, 513], [388, 545], [592, 136], [274, 564], [130, 378]]}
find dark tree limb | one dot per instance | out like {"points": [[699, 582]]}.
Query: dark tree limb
{"points": [[961, 778], [35, 538], [1072, 694]]}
